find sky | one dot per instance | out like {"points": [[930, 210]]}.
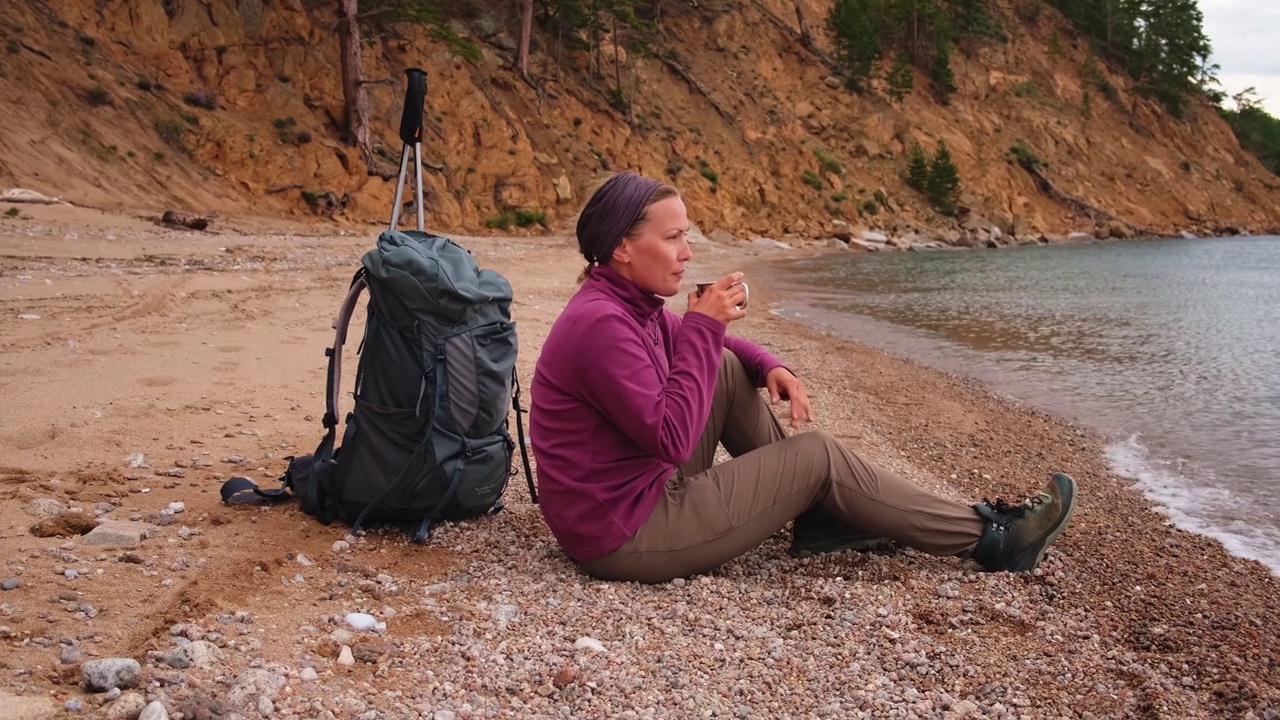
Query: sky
{"points": [[1245, 35]]}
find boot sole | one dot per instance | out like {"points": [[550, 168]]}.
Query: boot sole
{"points": [[1029, 560]]}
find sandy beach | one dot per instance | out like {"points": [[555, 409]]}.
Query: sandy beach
{"points": [[141, 366]]}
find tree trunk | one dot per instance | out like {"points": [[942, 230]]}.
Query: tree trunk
{"points": [[617, 63], [354, 98], [526, 29]]}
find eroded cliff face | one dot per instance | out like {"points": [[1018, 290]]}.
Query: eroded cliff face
{"points": [[236, 106]]}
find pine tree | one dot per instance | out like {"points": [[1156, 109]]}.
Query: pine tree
{"points": [[943, 187], [857, 39], [943, 79], [901, 80], [917, 168]]}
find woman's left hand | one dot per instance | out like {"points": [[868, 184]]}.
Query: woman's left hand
{"points": [[783, 385]]}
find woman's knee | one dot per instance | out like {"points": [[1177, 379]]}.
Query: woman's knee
{"points": [[816, 441]]}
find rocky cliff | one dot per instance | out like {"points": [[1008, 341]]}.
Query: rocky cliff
{"points": [[236, 106]]}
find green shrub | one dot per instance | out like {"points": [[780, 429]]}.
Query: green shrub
{"points": [[98, 95], [502, 221], [171, 131], [1025, 156], [525, 218], [828, 163], [206, 99]]}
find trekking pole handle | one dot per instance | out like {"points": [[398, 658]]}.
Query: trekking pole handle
{"points": [[414, 97]]}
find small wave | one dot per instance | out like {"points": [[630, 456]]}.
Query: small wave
{"points": [[1194, 505]]}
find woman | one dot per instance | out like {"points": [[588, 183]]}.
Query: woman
{"points": [[629, 401]]}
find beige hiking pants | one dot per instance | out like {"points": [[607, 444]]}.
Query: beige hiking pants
{"points": [[711, 515]]}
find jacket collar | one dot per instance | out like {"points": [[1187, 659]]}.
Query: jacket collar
{"points": [[642, 303]]}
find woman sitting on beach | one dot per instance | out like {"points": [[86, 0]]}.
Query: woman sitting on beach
{"points": [[629, 402]]}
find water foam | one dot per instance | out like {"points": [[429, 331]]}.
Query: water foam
{"points": [[1195, 505]]}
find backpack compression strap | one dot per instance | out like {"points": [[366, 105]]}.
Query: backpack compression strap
{"points": [[524, 453]]}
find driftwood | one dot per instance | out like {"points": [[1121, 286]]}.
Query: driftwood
{"points": [[725, 115], [1046, 186], [173, 219], [36, 50], [802, 36]]}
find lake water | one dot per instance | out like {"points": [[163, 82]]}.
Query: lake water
{"points": [[1170, 347]]}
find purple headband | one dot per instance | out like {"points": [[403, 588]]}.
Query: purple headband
{"points": [[611, 212]]}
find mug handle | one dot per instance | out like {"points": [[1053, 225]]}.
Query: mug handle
{"points": [[746, 291]]}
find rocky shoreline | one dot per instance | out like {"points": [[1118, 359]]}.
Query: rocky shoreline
{"points": [[160, 362]]}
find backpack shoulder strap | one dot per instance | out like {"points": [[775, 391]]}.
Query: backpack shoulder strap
{"points": [[334, 379], [241, 489]]}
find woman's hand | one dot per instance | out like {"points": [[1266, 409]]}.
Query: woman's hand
{"points": [[783, 385], [721, 300]]}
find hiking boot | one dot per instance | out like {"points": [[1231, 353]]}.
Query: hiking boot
{"points": [[817, 532], [1016, 537]]}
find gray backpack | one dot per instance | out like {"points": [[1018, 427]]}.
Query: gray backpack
{"points": [[427, 438]]}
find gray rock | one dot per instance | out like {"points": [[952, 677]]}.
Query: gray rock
{"points": [[11, 584], [73, 705], [128, 707], [45, 508], [119, 533], [103, 675], [770, 243], [70, 655], [695, 235], [837, 244], [253, 684], [154, 711], [721, 236], [873, 236]]}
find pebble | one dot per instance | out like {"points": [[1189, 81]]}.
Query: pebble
{"points": [[155, 710], [341, 546], [345, 657], [588, 643], [11, 584], [177, 507], [364, 622], [74, 705], [309, 674]]}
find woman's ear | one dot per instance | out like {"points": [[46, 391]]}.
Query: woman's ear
{"points": [[622, 253]]}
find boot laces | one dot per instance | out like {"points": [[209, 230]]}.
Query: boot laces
{"points": [[1000, 507]]}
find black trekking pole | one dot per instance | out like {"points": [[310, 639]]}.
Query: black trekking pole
{"points": [[411, 134]]}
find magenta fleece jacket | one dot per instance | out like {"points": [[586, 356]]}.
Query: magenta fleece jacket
{"points": [[620, 396]]}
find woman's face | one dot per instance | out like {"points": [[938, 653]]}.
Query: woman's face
{"points": [[654, 258]]}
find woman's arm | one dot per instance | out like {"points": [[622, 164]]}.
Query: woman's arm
{"points": [[618, 376], [755, 359]]}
